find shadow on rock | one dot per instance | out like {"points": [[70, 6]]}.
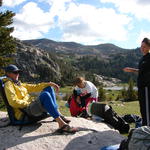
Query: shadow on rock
{"points": [[94, 140], [9, 133]]}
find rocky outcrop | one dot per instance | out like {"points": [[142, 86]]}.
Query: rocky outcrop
{"points": [[37, 64], [106, 81], [91, 136]]}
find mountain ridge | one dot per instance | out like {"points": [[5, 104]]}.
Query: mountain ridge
{"points": [[74, 59], [73, 47]]}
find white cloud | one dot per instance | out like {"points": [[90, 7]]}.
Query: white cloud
{"points": [[139, 8], [57, 6], [143, 2], [12, 3], [32, 22], [78, 22], [85, 23]]}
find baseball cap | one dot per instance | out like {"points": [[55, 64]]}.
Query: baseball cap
{"points": [[12, 68]]}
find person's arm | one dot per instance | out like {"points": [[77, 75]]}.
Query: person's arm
{"points": [[40, 86], [78, 96], [129, 69], [85, 96]]}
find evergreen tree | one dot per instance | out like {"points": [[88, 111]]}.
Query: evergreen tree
{"points": [[129, 94], [124, 93], [102, 93], [7, 42], [132, 95]]}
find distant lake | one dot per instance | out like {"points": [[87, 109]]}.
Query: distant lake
{"points": [[117, 88]]}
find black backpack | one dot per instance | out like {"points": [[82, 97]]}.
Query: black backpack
{"points": [[110, 116]]}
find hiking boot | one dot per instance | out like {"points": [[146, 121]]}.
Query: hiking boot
{"points": [[85, 114]]}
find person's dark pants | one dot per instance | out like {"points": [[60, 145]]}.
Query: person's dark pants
{"points": [[144, 101]]}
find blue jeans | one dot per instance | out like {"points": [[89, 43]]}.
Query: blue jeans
{"points": [[48, 101]]}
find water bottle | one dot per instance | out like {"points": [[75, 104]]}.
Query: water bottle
{"points": [[67, 105]]}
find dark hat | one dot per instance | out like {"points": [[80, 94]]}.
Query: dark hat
{"points": [[11, 68]]}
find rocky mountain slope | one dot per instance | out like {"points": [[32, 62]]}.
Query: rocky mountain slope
{"points": [[102, 50], [36, 64], [104, 59], [39, 65]]}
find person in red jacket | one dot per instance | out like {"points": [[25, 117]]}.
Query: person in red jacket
{"points": [[84, 93]]}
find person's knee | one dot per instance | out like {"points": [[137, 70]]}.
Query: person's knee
{"points": [[49, 89], [44, 95]]}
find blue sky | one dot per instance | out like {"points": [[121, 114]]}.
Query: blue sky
{"points": [[90, 22]]}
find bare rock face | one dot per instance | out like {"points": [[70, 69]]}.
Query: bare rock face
{"points": [[41, 136], [36, 64]]}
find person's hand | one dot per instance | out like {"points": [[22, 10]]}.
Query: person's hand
{"points": [[56, 86], [128, 69], [78, 100]]}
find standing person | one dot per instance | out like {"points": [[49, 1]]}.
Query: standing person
{"points": [[18, 95], [84, 92], [143, 81]]}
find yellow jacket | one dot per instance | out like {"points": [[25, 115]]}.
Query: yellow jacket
{"points": [[19, 95]]}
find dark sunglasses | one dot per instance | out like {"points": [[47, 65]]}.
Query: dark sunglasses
{"points": [[16, 72]]}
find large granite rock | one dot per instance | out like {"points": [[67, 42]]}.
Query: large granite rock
{"points": [[41, 136]]}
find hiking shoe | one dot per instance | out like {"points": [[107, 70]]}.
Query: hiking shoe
{"points": [[85, 114], [67, 129], [65, 119]]}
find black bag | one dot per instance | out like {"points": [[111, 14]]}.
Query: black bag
{"points": [[110, 116], [131, 118]]}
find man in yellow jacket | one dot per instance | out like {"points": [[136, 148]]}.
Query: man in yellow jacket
{"points": [[18, 95]]}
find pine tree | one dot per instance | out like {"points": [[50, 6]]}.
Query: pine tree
{"points": [[102, 94], [7, 42], [132, 96], [124, 93]]}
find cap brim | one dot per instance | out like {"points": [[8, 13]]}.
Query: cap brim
{"points": [[17, 71]]}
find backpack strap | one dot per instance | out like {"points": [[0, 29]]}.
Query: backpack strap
{"points": [[9, 108]]}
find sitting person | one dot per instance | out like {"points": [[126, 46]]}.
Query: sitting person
{"points": [[18, 95], [84, 93]]}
